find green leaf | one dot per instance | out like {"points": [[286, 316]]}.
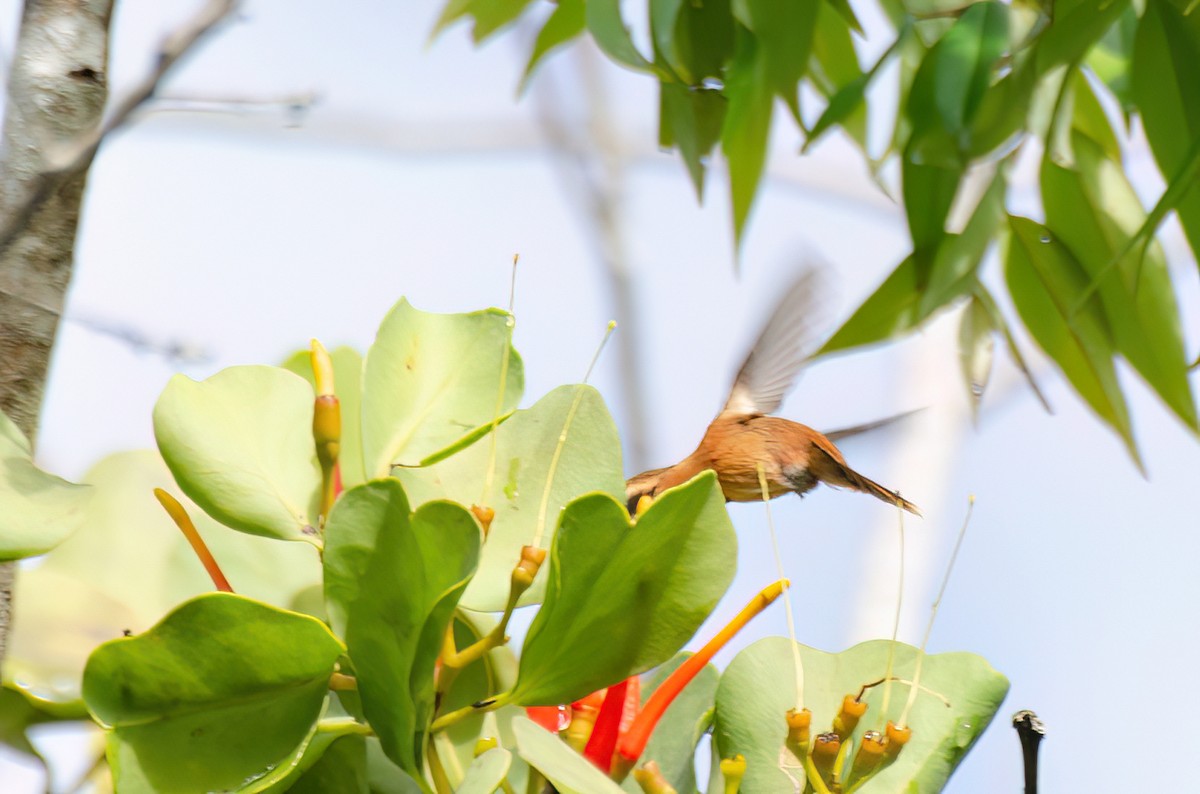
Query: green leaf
{"points": [[892, 310], [486, 772], [837, 74], [188, 716], [1002, 112], [590, 461], [432, 379], [125, 568], [1046, 283], [18, 714], [489, 15], [240, 445], [960, 695], [37, 510], [566, 23], [1000, 323], [929, 192], [495, 673], [700, 43], [624, 598], [976, 350], [1078, 24], [569, 771], [1111, 59], [783, 33], [691, 119], [1166, 71], [746, 132], [846, 12], [394, 633], [679, 731], [340, 767], [608, 28], [347, 376], [1093, 210], [958, 257]]}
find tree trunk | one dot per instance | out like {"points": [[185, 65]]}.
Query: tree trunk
{"points": [[56, 95]]}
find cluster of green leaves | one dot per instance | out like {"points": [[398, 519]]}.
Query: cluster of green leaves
{"points": [[978, 82], [249, 692]]}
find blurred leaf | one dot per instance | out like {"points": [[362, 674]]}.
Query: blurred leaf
{"points": [[1093, 210], [622, 599], [17, 715], [1078, 24], [1111, 59], [1089, 118], [957, 260], [976, 350], [1002, 112], [691, 119], [125, 568], [486, 773], [347, 376], [846, 12], [525, 449], [569, 771], [240, 445], [489, 15], [685, 722], [758, 687], [1046, 283], [701, 40], [837, 74], [341, 768], [891, 310], [929, 192], [567, 22], [1166, 71], [783, 33], [394, 634], [746, 132], [430, 381], [985, 299], [214, 715], [611, 33], [37, 510]]}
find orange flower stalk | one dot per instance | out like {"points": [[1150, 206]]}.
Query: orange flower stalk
{"points": [[633, 743], [184, 522], [603, 741]]}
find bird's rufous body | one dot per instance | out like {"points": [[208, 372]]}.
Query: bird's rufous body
{"points": [[793, 457]]}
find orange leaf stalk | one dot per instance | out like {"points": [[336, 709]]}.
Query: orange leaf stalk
{"points": [[633, 743], [184, 522]]}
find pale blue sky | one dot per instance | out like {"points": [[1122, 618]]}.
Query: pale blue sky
{"points": [[417, 174]]}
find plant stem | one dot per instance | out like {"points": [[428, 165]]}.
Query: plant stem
{"points": [[1031, 731], [184, 522], [458, 715]]}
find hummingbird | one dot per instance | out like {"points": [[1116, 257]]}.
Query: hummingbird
{"points": [[744, 436]]}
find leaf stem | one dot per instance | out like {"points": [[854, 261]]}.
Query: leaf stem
{"points": [[184, 522], [458, 715]]}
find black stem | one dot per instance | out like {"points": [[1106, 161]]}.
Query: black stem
{"points": [[1031, 731]]}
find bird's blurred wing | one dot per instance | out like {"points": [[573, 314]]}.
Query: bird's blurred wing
{"points": [[784, 345]]}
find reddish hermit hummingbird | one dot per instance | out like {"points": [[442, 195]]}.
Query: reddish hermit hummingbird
{"points": [[744, 436]]}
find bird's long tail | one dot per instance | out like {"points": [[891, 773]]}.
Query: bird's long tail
{"points": [[835, 472]]}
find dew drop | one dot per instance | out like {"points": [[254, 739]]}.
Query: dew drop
{"points": [[712, 84], [1045, 238]]}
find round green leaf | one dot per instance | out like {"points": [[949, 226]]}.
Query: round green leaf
{"points": [[486, 772], [215, 695], [37, 510], [392, 581], [624, 598], [590, 461], [240, 445], [125, 568], [960, 695], [432, 379]]}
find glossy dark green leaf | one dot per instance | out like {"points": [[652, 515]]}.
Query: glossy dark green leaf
{"points": [[976, 350], [622, 599], [37, 510], [567, 22], [211, 698], [530, 483], [431, 382], [1046, 284], [489, 15], [347, 376], [1166, 73], [394, 633], [783, 33], [1078, 24], [608, 28], [691, 120], [960, 693], [1093, 210], [747, 128], [673, 743]]}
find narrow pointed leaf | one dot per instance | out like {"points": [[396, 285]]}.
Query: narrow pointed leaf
{"points": [[783, 35], [608, 28], [746, 133], [976, 349], [565, 24]]}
